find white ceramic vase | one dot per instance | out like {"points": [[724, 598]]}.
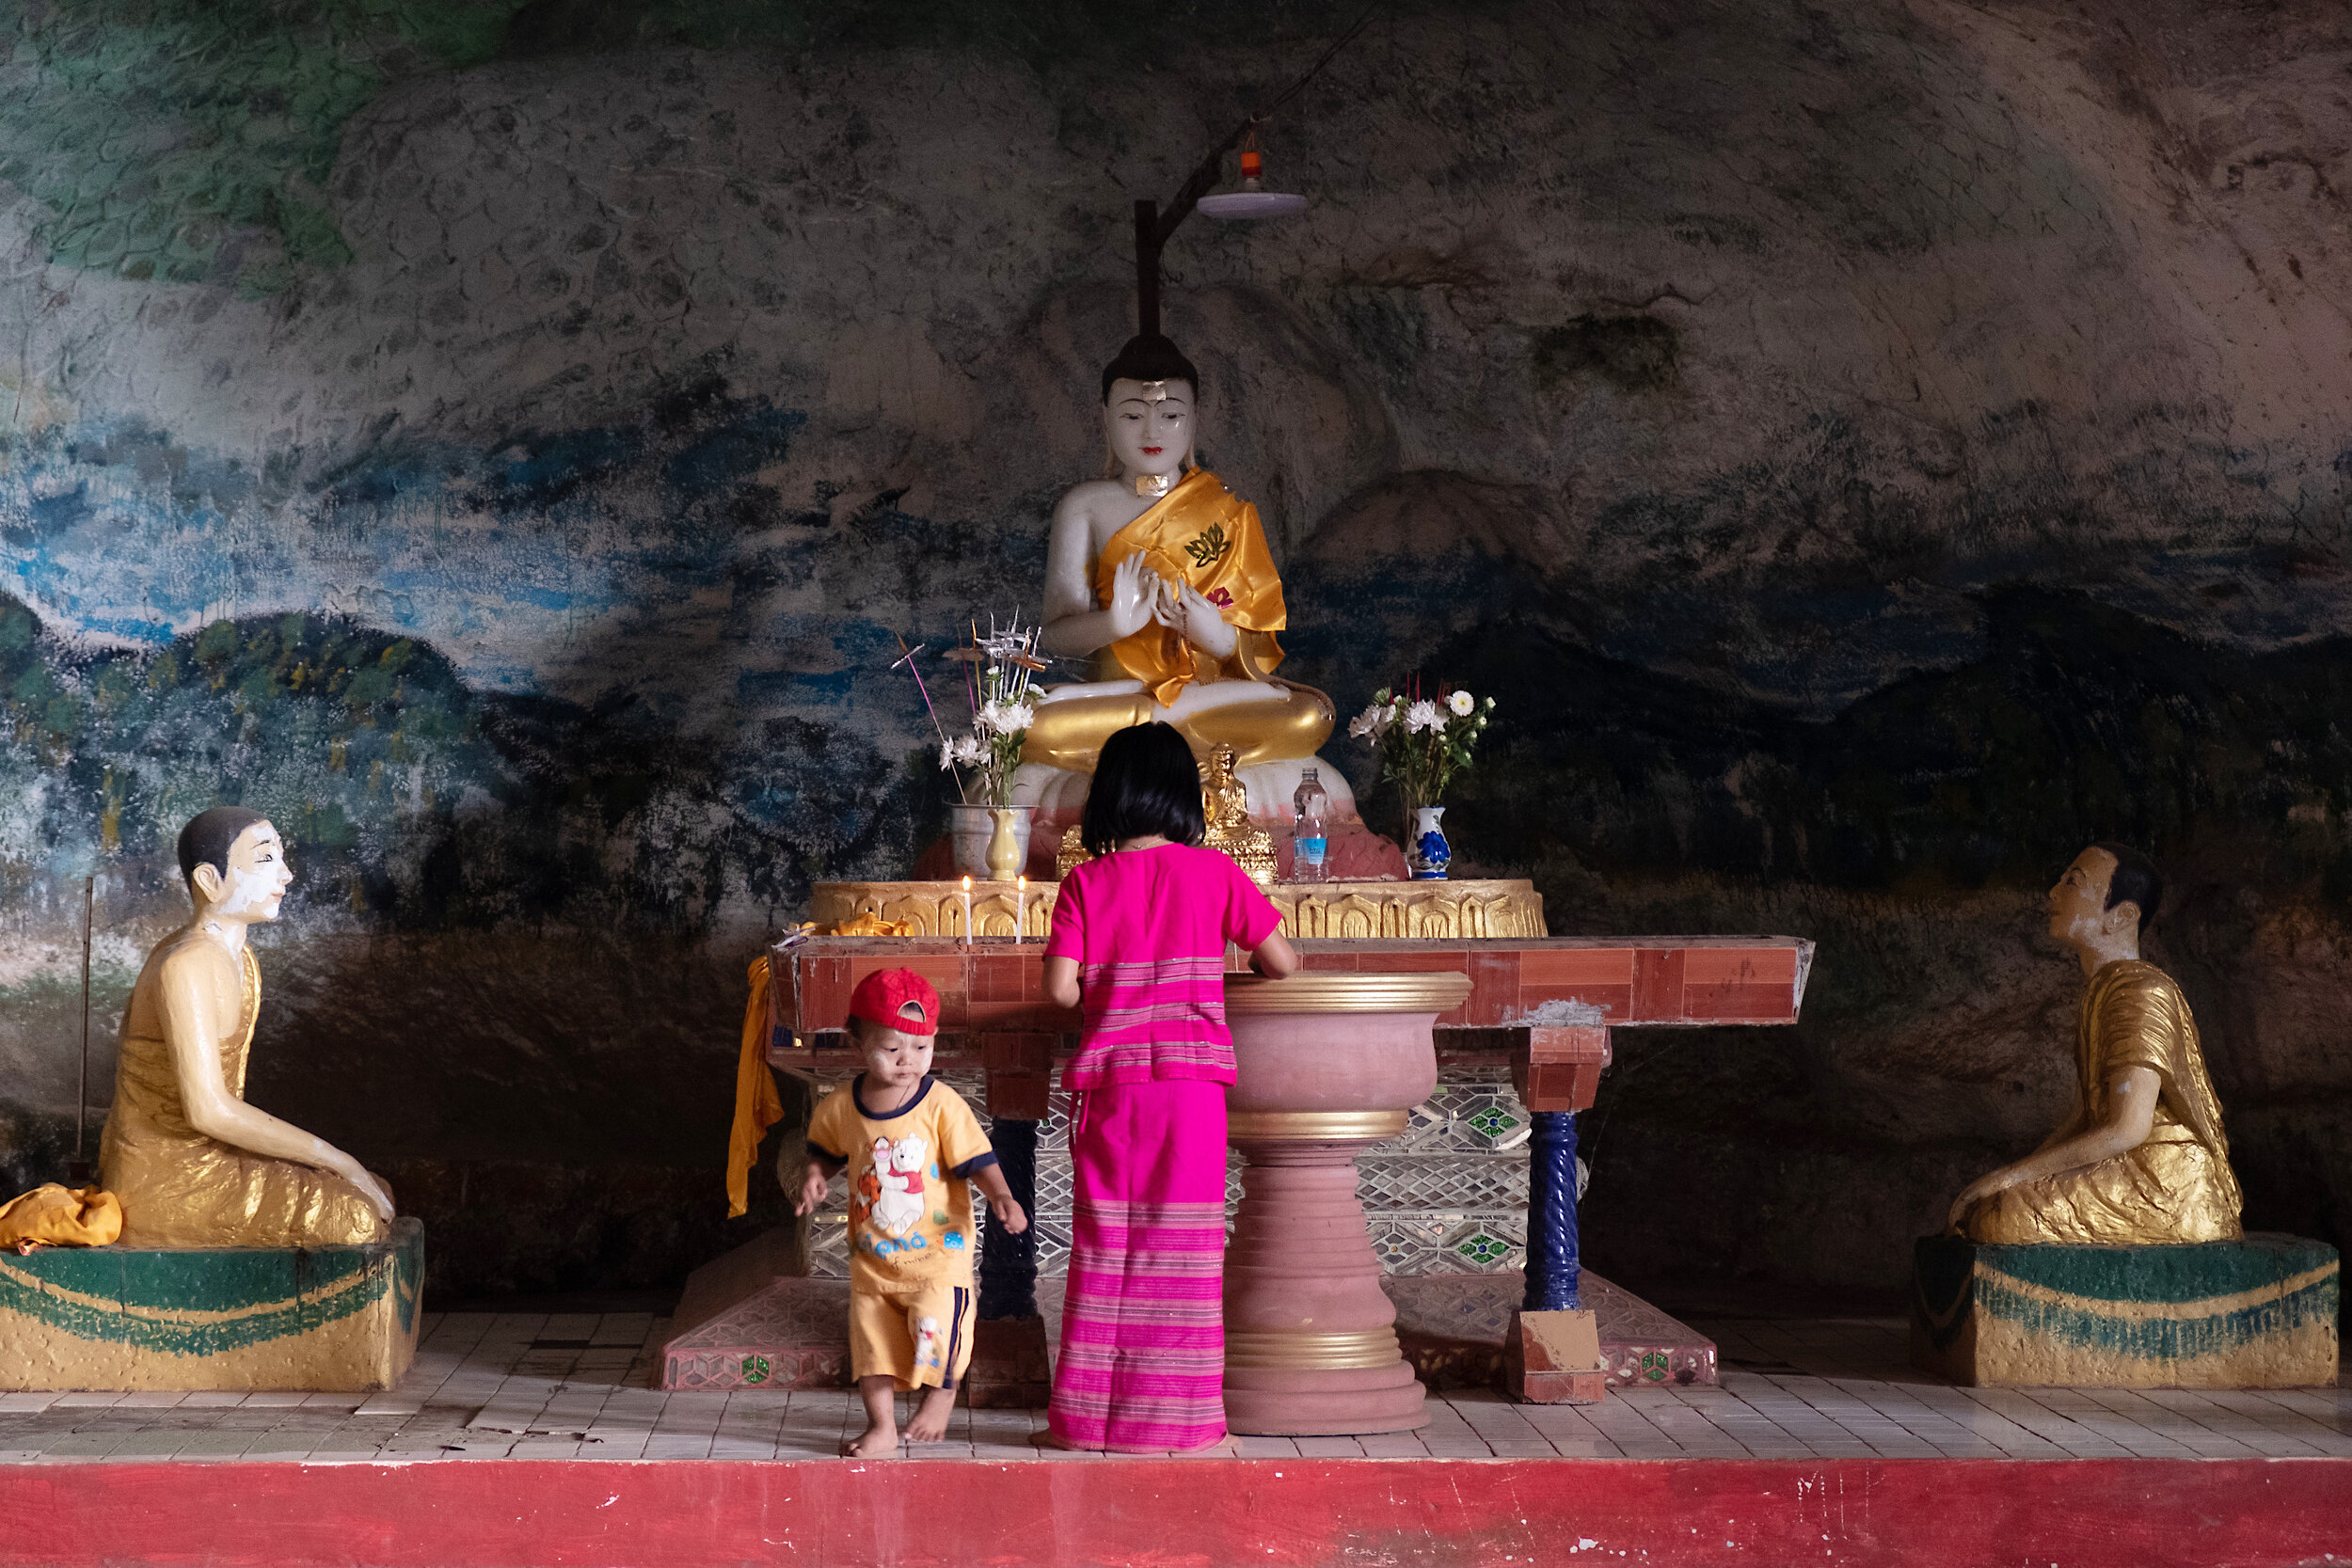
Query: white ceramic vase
{"points": [[1428, 855]]}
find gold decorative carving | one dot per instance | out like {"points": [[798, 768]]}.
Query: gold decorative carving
{"points": [[1305, 1349], [1225, 806], [1324, 990], [1320, 1127], [933, 908], [1449, 911]]}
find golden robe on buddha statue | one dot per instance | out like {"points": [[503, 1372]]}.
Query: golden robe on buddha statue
{"points": [[1201, 536], [2177, 1184]]}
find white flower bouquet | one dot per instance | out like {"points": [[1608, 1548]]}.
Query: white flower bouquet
{"points": [[999, 670], [1422, 741]]}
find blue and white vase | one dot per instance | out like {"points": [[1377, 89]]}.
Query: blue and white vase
{"points": [[1429, 855]]}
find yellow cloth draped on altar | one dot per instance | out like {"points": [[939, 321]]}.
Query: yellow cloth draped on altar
{"points": [[757, 1105], [2176, 1186]]}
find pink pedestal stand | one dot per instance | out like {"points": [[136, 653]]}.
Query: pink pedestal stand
{"points": [[1330, 1064]]}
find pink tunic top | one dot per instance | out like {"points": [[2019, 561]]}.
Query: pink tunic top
{"points": [[1149, 929]]}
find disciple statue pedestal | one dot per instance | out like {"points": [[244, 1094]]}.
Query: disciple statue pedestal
{"points": [[1329, 1065]]}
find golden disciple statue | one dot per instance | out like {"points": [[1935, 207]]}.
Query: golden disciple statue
{"points": [[193, 1164], [1164, 578], [2142, 1159]]}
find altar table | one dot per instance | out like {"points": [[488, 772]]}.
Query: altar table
{"points": [[1555, 999]]}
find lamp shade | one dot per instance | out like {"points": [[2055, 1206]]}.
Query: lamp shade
{"points": [[1253, 205]]}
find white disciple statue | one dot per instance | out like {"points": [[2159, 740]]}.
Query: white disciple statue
{"points": [[193, 1164], [2141, 1158]]}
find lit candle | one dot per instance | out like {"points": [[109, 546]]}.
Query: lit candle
{"points": [[1020, 906], [967, 912]]}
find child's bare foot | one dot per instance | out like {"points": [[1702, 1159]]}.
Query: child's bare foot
{"points": [[878, 1441], [930, 1415]]}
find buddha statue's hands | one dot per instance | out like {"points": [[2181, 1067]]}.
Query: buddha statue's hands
{"points": [[1192, 616], [1135, 593]]}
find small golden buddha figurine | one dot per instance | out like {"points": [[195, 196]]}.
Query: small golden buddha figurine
{"points": [[193, 1164], [2143, 1158], [1225, 805], [1163, 576]]}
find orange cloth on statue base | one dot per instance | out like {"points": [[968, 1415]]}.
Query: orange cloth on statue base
{"points": [[52, 1216]]}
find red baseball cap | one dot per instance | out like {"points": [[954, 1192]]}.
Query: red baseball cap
{"points": [[885, 996]]}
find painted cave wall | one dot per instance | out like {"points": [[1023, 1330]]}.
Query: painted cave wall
{"points": [[1869, 450]]}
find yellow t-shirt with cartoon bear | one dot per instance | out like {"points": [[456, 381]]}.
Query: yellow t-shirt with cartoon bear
{"points": [[910, 1205]]}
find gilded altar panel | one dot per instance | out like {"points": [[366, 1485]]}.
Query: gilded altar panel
{"points": [[1439, 911]]}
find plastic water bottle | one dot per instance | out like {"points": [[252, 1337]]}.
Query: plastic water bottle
{"points": [[1308, 843]]}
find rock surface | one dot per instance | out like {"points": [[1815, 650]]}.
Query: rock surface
{"points": [[1868, 451]]}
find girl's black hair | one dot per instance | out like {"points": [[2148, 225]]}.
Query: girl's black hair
{"points": [[1145, 783]]}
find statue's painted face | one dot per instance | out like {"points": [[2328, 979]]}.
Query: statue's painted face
{"points": [[258, 876], [1150, 425], [2078, 904]]}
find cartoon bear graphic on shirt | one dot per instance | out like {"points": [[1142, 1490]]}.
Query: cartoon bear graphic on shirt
{"points": [[898, 1167]]}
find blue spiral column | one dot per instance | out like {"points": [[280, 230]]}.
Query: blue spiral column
{"points": [[1552, 1254], [1009, 1263]]}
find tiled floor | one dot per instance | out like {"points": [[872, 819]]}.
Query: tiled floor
{"points": [[532, 1387]]}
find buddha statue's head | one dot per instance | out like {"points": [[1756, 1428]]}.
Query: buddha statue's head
{"points": [[2109, 895], [235, 865], [1149, 393]]}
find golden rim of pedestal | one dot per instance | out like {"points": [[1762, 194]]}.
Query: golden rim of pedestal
{"points": [[1314, 1127], [1322, 990], [1309, 1349]]}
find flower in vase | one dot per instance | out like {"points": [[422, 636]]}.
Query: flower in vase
{"points": [[1423, 716], [964, 751], [1461, 702], [1372, 723], [1006, 718]]}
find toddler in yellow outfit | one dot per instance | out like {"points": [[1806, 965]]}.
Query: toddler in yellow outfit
{"points": [[909, 1144]]}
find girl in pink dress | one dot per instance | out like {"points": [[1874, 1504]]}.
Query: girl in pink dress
{"points": [[1138, 944]]}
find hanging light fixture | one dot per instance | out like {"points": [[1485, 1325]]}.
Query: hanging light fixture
{"points": [[1154, 226], [1253, 201]]}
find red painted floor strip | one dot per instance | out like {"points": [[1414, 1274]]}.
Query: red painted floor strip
{"points": [[1178, 1513]]}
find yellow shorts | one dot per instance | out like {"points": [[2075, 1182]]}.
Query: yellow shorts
{"points": [[920, 1337]]}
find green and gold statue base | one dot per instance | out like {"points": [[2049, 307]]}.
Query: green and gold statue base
{"points": [[322, 1319], [2254, 1312]]}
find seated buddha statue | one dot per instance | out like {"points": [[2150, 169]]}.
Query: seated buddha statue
{"points": [[2141, 1158], [1163, 578], [193, 1164]]}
